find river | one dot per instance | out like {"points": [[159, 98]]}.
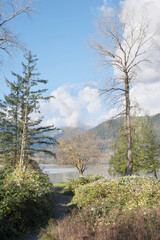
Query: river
{"points": [[59, 173]]}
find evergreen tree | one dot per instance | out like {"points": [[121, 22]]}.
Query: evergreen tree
{"points": [[151, 148], [5, 135], [28, 136], [146, 149], [11, 122], [117, 162]]}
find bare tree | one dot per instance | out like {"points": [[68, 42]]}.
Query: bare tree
{"points": [[9, 10], [122, 45]]}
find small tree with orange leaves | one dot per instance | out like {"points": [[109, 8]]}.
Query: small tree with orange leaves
{"points": [[79, 151]]}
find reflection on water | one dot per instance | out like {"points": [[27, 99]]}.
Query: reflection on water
{"points": [[62, 173]]}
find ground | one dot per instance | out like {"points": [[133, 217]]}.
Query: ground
{"points": [[60, 208]]}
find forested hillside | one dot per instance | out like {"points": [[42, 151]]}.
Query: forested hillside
{"points": [[106, 132], [108, 129]]}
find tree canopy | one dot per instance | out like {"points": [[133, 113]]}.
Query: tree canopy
{"points": [[79, 151]]}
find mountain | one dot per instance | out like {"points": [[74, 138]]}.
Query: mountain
{"points": [[156, 120], [107, 130]]}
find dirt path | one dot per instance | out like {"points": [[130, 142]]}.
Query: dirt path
{"points": [[60, 208], [62, 200]]}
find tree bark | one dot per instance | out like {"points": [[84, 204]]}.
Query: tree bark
{"points": [[155, 174], [129, 168], [81, 173], [23, 141]]}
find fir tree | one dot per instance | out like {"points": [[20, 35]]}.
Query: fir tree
{"points": [[146, 149], [11, 110], [28, 136], [117, 162], [151, 148]]}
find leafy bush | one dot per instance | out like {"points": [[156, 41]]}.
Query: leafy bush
{"points": [[127, 194], [71, 185], [126, 208], [26, 199], [122, 193]]}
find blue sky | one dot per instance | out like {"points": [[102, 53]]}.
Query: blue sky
{"points": [[58, 33]]}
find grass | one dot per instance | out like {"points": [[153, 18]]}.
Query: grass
{"points": [[60, 184]]}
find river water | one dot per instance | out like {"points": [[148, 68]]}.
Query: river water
{"points": [[63, 173], [59, 173]]}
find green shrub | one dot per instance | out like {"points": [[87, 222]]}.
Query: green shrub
{"points": [[71, 185], [26, 199], [122, 193], [125, 208]]}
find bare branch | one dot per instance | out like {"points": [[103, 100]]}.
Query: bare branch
{"points": [[10, 9], [122, 45]]}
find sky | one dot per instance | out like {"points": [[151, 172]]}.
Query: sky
{"points": [[58, 33]]}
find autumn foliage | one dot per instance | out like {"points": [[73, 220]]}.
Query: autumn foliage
{"points": [[79, 151]]}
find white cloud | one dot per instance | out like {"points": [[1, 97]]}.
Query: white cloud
{"points": [[105, 10], [73, 106], [147, 95], [90, 96]]}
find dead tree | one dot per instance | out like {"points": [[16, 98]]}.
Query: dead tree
{"points": [[122, 45]]}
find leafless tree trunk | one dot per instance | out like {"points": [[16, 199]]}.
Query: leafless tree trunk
{"points": [[129, 167], [121, 47]]}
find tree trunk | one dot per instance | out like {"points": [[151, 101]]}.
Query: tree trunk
{"points": [[81, 173], [155, 173], [128, 170], [23, 141]]}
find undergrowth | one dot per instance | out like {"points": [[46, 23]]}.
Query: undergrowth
{"points": [[26, 199], [125, 208]]}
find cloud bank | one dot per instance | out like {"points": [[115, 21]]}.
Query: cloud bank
{"points": [[73, 106]]}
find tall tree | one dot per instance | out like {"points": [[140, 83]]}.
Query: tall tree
{"points": [[121, 45], [28, 136]]}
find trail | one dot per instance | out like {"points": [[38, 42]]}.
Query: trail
{"points": [[60, 208]]}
